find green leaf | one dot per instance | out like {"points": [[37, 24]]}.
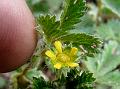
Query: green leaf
{"points": [[49, 26], [77, 81], [110, 30], [52, 29], [73, 10], [113, 5], [111, 78], [109, 57], [40, 83], [89, 43], [103, 66], [60, 30]]}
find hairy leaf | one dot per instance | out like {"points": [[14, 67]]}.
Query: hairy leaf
{"points": [[73, 10], [83, 81], [40, 83], [49, 26], [59, 30], [89, 43], [103, 66]]}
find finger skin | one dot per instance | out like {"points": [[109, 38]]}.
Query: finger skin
{"points": [[17, 34]]}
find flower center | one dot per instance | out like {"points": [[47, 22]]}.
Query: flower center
{"points": [[63, 57]]}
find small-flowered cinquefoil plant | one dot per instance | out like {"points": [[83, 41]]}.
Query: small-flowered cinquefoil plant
{"points": [[61, 58]]}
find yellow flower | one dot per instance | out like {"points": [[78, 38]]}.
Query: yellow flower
{"points": [[60, 58]]}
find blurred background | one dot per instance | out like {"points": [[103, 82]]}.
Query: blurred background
{"points": [[102, 19]]}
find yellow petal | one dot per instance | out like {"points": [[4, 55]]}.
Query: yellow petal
{"points": [[58, 46], [73, 64], [50, 54], [58, 65], [73, 51]]}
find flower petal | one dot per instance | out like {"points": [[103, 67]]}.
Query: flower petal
{"points": [[58, 65], [50, 54], [73, 51], [58, 46], [73, 64]]}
